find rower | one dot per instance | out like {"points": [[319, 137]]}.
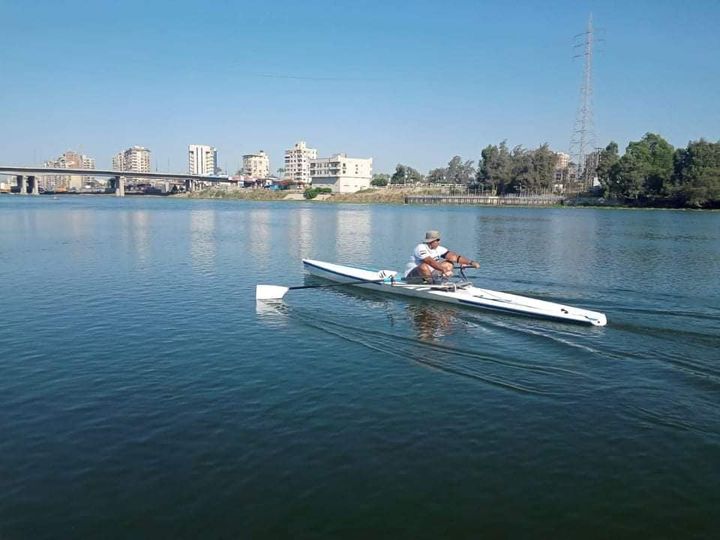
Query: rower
{"points": [[432, 262]]}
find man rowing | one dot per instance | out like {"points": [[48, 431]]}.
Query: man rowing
{"points": [[431, 260]]}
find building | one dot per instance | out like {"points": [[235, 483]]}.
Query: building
{"points": [[563, 160], [202, 160], [70, 182], [297, 163], [256, 165], [135, 159], [561, 174], [341, 173]]}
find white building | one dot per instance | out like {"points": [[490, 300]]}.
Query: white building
{"points": [[202, 159], [341, 173], [256, 165], [297, 162]]}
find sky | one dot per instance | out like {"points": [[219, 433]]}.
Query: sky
{"points": [[412, 82]]}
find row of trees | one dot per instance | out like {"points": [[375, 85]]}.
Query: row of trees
{"points": [[650, 171]]}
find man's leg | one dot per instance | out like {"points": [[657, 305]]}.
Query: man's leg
{"points": [[422, 273]]}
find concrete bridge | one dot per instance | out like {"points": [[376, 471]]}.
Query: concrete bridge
{"points": [[28, 183]]}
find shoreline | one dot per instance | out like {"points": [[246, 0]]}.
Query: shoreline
{"points": [[389, 197]]}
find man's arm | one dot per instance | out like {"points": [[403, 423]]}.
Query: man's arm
{"points": [[460, 260]]}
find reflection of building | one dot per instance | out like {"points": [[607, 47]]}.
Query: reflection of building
{"points": [[134, 159], [202, 159], [341, 173], [256, 165], [353, 235], [69, 160], [297, 162]]}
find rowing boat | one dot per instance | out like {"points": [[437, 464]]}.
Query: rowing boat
{"points": [[462, 292]]}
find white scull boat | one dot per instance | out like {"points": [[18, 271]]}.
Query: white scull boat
{"points": [[462, 293]]}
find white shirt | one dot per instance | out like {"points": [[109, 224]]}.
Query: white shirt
{"points": [[421, 252]]}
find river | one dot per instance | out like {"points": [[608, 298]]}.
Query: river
{"points": [[144, 393]]}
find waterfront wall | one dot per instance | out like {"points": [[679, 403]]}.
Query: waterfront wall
{"points": [[487, 200]]}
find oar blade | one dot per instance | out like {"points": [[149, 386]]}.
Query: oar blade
{"points": [[270, 292]]}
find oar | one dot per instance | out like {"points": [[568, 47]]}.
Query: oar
{"points": [[276, 292]]}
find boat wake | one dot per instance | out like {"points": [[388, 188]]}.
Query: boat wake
{"points": [[434, 346]]}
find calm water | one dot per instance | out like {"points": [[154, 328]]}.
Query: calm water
{"points": [[143, 393]]}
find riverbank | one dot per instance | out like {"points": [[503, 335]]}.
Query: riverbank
{"points": [[375, 196], [425, 195]]}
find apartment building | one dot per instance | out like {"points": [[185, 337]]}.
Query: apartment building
{"points": [[297, 163], [135, 159], [256, 165], [341, 173], [68, 160], [202, 160]]}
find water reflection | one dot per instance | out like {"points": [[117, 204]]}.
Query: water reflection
{"points": [[259, 235], [302, 233], [430, 322], [140, 224], [353, 237], [202, 239], [135, 231]]}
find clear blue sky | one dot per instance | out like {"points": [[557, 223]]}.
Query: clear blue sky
{"points": [[410, 82]]}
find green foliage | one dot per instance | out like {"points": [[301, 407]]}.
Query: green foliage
{"points": [[405, 175], [646, 168], [380, 180], [520, 170], [607, 169], [495, 167], [313, 192], [696, 175], [457, 172], [437, 176]]}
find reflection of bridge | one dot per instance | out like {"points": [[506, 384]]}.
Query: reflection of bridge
{"points": [[28, 183]]}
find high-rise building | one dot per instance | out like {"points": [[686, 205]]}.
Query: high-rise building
{"points": [[341, 173], [256, 165], [297, 163], [68, 160], [134, 159], [202, 160]]}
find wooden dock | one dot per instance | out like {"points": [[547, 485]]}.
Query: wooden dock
{"points": [[488, 200]]}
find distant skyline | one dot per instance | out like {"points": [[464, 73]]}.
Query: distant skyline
{"points": [[401, 82]]}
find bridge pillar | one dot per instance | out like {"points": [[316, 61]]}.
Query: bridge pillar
{"points": [[119, 186], [189, 185], [21, 184], [34, 185]]}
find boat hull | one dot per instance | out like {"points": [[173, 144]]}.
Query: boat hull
{"points": [[469, 296]]}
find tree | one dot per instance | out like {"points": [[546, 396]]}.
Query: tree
{"points": [[543, 168], [495, 167], [459, 171], [437, 176], [380, 180], [646, 168], [405, 175], [607, 169], [697, 174]]}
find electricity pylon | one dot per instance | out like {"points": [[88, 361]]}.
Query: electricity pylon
{"points": [[582, 143]]}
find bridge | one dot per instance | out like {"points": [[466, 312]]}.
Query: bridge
{"points": [[28, 183]]}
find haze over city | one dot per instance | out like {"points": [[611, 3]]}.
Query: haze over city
{"points": [[400, 82]]}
